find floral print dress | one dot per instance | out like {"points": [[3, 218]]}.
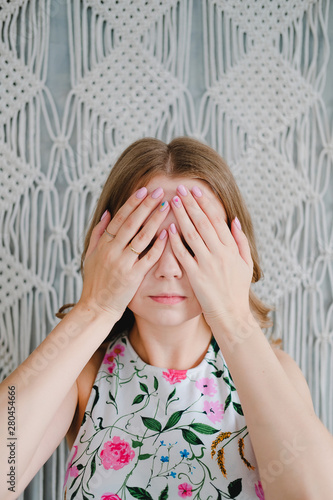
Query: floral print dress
{"points": [[156, 434]]}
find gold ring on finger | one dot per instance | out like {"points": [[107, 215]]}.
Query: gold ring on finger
{"points": [[111, 235], [133, 250]]}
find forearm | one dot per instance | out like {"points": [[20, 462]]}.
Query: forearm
{"points": [[44, 379], [294, 451]]}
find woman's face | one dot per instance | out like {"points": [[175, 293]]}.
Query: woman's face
{"points": [[165, 296]]}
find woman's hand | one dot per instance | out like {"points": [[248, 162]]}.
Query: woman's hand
{"points": [[112, 269], [221, 269]]}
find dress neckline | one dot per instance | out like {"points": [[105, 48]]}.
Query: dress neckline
{"points": [[212, 348]]}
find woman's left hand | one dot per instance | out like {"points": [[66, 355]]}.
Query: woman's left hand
{"points": [[220, 272]]}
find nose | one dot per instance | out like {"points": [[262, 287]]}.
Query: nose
{"points": [[168, 266]]}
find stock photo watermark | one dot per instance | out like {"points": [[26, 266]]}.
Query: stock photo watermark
{"points": [[11, 438]]}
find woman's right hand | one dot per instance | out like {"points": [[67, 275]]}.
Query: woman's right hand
{"points": [[112, 271]]}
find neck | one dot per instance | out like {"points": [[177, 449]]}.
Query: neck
{"points": [[178, 347]]}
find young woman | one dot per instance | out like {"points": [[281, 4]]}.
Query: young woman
{"points": [[160, 376]]}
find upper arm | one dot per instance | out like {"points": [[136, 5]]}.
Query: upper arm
{"points": [[53, 436], [295, 376]]}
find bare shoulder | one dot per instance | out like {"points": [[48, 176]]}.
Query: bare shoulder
{"points": [[295, 375], [84, 383], [87, 376]]}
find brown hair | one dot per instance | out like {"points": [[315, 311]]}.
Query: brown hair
{"points": [[183, 157]]}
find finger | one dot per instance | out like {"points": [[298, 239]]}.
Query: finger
{"points": [[215, 212], [188, 230], [145, 238], [153, 254], [125, 210], [200, 220], [97, 232], [134, 221], [180, 251], [242, 242]]}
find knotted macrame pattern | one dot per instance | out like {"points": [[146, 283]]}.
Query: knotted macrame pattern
{"points": [[245, 76]]}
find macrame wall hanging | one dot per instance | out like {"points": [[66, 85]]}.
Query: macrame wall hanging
{"points": [[245, 76]]}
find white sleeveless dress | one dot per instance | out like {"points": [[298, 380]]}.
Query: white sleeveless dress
{"points": [[156, 434]]}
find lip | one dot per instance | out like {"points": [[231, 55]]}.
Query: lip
{"points": [[168, 298]]}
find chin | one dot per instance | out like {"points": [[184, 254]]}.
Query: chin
{"points": [[165, 318]]}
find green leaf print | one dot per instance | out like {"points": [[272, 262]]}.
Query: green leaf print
{"points": [[238, 408], [136, 444], [155, 383], [164, 494], [204, 429], [235, 488], [112, 401], [84, 419], [218, 374], [138, 399], [173, 420], [227, 402], [100, 425], [144, 388], [215, 346], [152, 424], [171, 395], [190, 437], [96, 397], [145, 456], [139, 493], [93, 467], [75, 492], [227, 381]]}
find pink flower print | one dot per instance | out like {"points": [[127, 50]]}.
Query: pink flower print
{"points": [[110, 496], [109, 358], [118, 350], [111, 368], [214, 411], [259, 491], [70, 464], [174, 376], [116, 454], [74, 471], [206, 386], [185, 490]]}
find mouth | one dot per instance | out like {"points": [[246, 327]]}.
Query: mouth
{"points": [[168, 298]]}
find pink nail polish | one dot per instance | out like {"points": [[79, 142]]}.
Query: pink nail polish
{"points": [[238, 224], [177, 201], [157, 193], [182, 190], [141, 193], [163, 234], [173, 228], [164, 206], [104, 215], [197, 191]]}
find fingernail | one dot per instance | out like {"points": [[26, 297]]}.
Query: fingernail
{"points": [[182, 190], [164, 206], [196, 191], [141, 193], [177, 201], [238, 224], [173, 228], [163, 234], [104, 215], [157, 193]]}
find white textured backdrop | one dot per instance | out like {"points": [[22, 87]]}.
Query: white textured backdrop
{"points": [[82, 79]]}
